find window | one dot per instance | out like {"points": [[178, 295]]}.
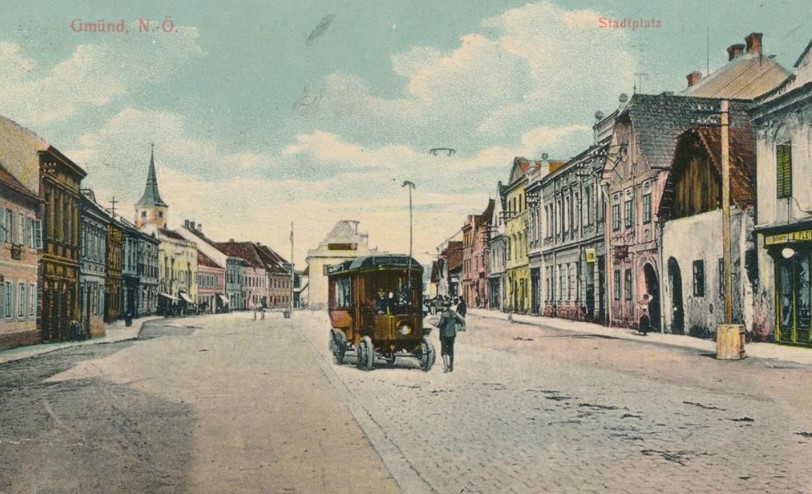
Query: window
{"points": [[699, 278], [21, 300], [143, 213], [588, 206], [32, 305], [9, 226], [628, 282], [783, 161], [9, 300], [615, 217], [342, 293], [647, 208], [628, 213], [721, 277], [617, 285]]}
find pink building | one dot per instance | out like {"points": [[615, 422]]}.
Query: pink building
{"points": [[475, 235]]}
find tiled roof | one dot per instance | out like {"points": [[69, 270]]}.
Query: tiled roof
{"points": [[660, 119], [520, 168], [244, 250], [204, 260], [742, 159], [170, 234], [273, 261], [745, 77], [454, 255], [10, 181]]}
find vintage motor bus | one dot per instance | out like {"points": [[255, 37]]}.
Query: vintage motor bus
{"points": [[376, 310]]}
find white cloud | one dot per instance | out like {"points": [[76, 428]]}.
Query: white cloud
{"points": [[535, 66], [94, 75]]}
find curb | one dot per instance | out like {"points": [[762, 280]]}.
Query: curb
{"points": [[114, 333], [761, 351]]}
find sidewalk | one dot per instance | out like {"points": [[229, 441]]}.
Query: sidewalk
{"points": [[769, 351], [115, 332]]}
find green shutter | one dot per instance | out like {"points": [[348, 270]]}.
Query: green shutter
{"points": [[783, 157]]}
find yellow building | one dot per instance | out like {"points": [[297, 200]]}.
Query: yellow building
{"points": [[517, 289]]}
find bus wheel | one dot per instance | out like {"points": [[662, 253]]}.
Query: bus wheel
{"points": [[365, 353], [427, 355], [338, 346]]}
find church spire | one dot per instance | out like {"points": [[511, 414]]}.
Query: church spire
{"points": [[151, 209], [151, 195]]}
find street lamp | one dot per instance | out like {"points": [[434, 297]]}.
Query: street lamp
{"points": [[410, 185]]}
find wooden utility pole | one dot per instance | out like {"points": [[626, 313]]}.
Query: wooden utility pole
{"points": [[292, 271], [725, 138]]}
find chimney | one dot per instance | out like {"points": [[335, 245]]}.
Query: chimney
{"points": [[753, 41], [192, 225], [231, 240], [734, 51], [200, 227], [186, 223], [693, 78]]}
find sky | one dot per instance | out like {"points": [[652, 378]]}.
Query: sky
{"points": [[265, 114]]}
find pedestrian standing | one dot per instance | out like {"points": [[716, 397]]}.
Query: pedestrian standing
{"points": [[462, 309], [645, 323], [448, 332]]}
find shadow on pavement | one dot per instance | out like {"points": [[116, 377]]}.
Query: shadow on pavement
{"points": [[88, 435]]}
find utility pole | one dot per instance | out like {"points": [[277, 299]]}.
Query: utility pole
{"points": [[725, 138], [411, 186], [292, 271]]}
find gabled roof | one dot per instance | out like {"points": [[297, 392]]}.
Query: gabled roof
{"points": [[454, 255], [20, 150], [803, 54], [11, 182], [273, 261], [204, 260], [244, 250], [520, 168], [742, 159], [485, 217], [658, 121], [745, 77]]}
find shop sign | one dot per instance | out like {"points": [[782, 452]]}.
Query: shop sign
{"points": [[590, 256], [801, 236]]}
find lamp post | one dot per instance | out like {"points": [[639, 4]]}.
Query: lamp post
{"points": [[410, 185]]}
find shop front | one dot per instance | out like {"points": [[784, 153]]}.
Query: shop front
{"points": [[791, 253]]}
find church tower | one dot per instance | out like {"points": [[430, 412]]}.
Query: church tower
{"points": [[151, 209]]}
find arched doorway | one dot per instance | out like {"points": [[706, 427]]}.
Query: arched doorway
{"points": [[675, 281], [653, 289]]}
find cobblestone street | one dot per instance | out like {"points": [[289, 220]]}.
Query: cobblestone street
{"points": [[536, 410], [227, 403]]}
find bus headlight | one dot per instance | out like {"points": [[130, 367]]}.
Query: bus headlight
{"points": [[405, 329]]}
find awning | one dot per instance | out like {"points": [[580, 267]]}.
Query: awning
{"points": [[166, 295], [223, 298], [185, 298]]}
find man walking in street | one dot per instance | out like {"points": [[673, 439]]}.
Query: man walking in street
{"points": [[448, 332]]}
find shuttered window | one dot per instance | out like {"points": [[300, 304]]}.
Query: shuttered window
{"points": [[783, 160]]}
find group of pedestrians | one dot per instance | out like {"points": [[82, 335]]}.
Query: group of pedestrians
{"points": [[451, 322]]}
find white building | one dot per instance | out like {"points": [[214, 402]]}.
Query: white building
{"points": [[342, 243], [783, 122]]}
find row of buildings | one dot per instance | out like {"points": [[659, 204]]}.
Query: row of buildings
{"points": [[64, 257], [634, 222]]}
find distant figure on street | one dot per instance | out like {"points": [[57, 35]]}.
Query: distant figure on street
{"points": [[448, 331], [462, 309], [645, 323]]}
